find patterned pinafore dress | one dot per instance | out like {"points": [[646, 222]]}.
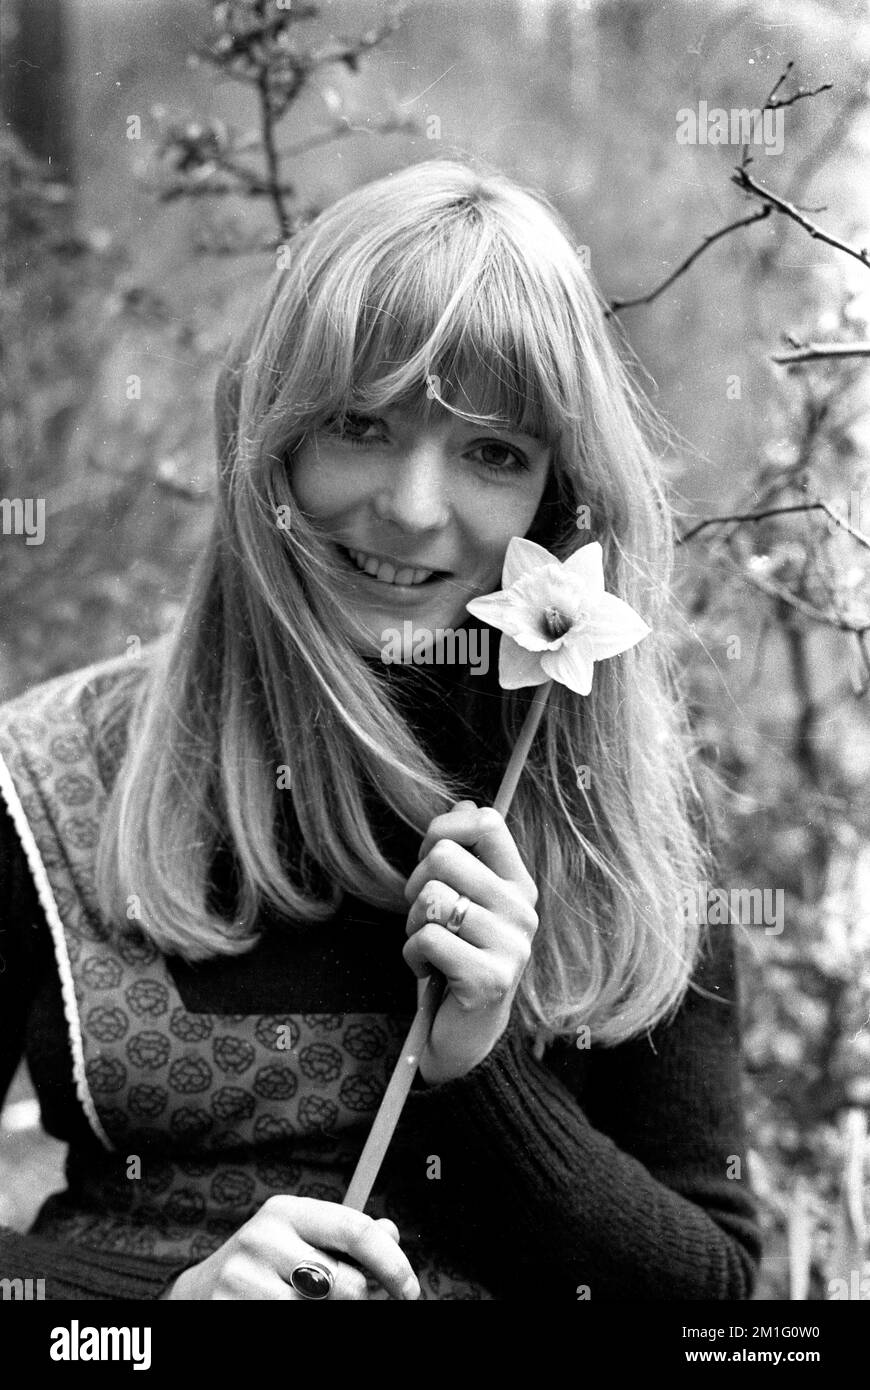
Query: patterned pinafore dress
{"points": [[200, 1117]]}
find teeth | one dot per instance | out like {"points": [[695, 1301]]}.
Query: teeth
{"points": [[387, 573]]}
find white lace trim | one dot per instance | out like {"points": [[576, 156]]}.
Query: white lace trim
{"points": [[49, 906]]}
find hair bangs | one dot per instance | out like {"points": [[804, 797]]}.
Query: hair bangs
{"points": [[430, 332]]}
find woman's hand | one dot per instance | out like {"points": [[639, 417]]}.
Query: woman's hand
{"points": [[256, 1262], [469, 852]]}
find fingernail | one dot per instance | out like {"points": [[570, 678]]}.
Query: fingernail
{"points": [[411, 1289]]}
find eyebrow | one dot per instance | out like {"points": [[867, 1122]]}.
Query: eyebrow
{"points": [[514, 431]]}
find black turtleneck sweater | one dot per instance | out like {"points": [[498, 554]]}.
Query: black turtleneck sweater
{"points": [[610, 1168]]}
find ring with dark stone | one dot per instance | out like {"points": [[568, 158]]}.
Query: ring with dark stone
{"points": [[312, 1280]]}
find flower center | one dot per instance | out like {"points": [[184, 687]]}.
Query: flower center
{"points": [[555, 623]]}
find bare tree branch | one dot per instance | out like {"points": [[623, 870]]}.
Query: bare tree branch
{"points": [[853, 531], [774, 103], [744, 180], [617, 304], [744, 516], [817, 352], [817, 505], [230, 187], [253, 45], [270, 153]]}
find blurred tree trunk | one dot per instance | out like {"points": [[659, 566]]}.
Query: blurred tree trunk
{"points": [[41, 244], [36, 94]]}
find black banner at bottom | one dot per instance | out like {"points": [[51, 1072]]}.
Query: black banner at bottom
{"points": [[255, 1340]]}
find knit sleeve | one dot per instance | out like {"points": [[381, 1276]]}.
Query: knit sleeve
{"points": [[630, 1187], [70, 1272], [75, 1273]]}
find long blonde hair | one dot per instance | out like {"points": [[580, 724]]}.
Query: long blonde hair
{"points": [[438, 274]]}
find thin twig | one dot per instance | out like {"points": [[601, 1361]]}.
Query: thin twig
{"points": [[260, 189], [313, 142], [617, 304], [853, 531], [774, 103], [273, 167], [817, 352], [817, 504], [744, 180], [771, 203], [745, 516]]}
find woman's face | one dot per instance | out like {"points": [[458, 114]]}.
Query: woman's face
{"points": [[420, 507]]}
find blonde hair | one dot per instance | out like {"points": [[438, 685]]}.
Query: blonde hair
{"points": [[436, 275]]}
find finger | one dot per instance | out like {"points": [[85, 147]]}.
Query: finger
{"points": [[479, 927], [349, 1283], [483, 830], [250, 1274], [450, 863], [342, 1231], [392, 1231], [247, 1278], [477, 979], [390, 1227]]}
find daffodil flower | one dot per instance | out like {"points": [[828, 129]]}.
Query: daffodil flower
{"points": [[556, 617]]}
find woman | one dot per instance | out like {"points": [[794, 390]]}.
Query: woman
{"points": [[247, 843]]}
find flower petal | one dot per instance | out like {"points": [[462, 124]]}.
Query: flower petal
{"points": [[587, 564], [517, 667], [613, 626], [529, 640], [521, 557], [490, 607], [518, 619], [500, 596], [571, 665]]}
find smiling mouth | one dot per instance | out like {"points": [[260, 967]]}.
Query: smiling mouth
{"points": [[386, 572]]}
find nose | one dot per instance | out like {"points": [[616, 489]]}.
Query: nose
{"points": [[415, 495]]}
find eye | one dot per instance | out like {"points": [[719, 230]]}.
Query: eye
{"points": [[497, 457], [356, 429]]}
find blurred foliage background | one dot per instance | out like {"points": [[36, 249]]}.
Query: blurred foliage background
{"points": [[157, 153]]}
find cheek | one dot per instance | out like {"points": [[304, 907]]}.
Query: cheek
{"points": [[501, 518], [303, 476], [319, 486]]}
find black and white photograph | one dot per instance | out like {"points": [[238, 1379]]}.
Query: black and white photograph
{"points": [[435, 666]]}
